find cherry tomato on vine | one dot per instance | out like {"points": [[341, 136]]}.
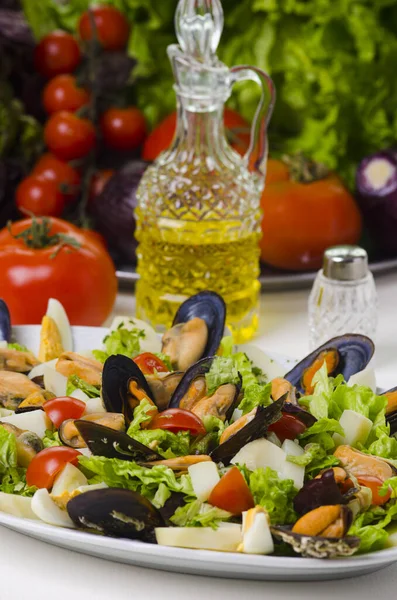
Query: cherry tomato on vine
{"points": [[57, 53], [177, 419], [288, 427], [69, 137], [62, 408], [63, 93], [232, 493], [39, 196], [123, 128], [149, 363], [68, 179], [112, 28], [45, 466]]}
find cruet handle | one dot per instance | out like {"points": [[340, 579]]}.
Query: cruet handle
{"points": [[256, 155]]}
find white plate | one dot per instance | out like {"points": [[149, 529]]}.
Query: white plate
{"points": [[180, 560]]}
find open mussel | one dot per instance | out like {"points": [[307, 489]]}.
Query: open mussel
{"points": [[391, 409], [246, 429], [115, 512], [70, 435], [15, 388], [104, 441], [17, 360], [28, 444], [324, 489], [191, 393], [124, 386], [321, 533], [163, 386], [364, 466], [346, 354], [5, 322], [88, 369], [196, 331]]}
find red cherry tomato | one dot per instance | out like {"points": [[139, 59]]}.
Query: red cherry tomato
{"points": [[177, 419], [62, 408], [67, 178], [149, 363], [39, 196], [375, 484], [288, 427], [98, 182], [45, 466], [68, 136], [123, 128], [232, 493], [57, 53], [63, 93], [112, 28]]}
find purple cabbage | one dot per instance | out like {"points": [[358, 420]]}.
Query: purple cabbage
{"points": [[318, 492]]}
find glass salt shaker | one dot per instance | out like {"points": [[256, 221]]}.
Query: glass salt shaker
{"points": [[343, 298]]}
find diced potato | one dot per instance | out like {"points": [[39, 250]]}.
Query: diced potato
{"points": [[292, 448], [261, 453], [35, 420], [39, 370], [223, 539], [204, 478], [80, 395], [55, 382], [94, 405], [356, 428]]}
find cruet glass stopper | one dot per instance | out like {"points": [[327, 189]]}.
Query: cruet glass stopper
{"points": [[199, 25]]}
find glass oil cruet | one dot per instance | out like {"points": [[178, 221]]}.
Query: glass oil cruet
{"points": [[198, 216]]}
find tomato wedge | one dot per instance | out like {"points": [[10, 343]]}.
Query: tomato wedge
{"points": [[45, 466], [60, 409], [374, 484], [232, 493], [149, 363], [177, 419], [288, 427]]}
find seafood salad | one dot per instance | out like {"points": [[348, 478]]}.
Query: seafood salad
{"points": [[188, 440]]}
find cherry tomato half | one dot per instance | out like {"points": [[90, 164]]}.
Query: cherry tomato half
{"points": [[39, 196], [68, 136], [149, 363], [112, 28], [45, 466], [123, 128], [375, 484], [177, 419], [288, 427], [232, 493], [62, 408], [56, 53], [68, 179], [63, 93]]}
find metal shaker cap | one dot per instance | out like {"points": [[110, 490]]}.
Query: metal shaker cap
{"points": [[345, 263]]}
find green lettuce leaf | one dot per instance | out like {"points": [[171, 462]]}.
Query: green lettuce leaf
{"points": [[129, 475], [274, 494], [140, 417], [51, 438], [199, 514], [120, 341], [76, 383], [15, 346], [212, 423], [223, 370], [370, 527], [254, 395], [166, 360], [8, 450], [314, 459], [12, 477]]}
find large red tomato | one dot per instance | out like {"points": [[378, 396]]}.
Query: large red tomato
{"points": [[60, 261]]}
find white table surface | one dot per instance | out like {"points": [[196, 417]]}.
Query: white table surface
{"points": [[31, 570]]}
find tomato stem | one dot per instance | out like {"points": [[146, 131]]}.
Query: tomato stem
{"points": [[38, 236], [303, 169]]}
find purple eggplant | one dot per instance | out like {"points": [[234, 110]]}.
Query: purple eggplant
{"points": [[376, 191]]}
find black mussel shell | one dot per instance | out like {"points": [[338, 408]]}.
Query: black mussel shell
{"points": [[118, 371], [26, 409], [318, 492], [104, 441], [210, 307], [167, 511], [115, 512], [355, 352], [199, 369], [303, 415], [5, 322], [39, 380], [316, 546], [253, 430]]}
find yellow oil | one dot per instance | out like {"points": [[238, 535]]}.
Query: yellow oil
{"points": [[175, 262]]}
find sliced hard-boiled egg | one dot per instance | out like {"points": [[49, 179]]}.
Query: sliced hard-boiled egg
{"points": [[55, 382], [257, 538], [19, 506], [226, 538], [56, 311], [149, 343], [204, 477], [68, 479], [356, 428], [47, 510], [34, 420]]}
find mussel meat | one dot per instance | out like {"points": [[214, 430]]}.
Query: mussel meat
{"points": [[162, 386], [5, 322], [34, 401], [124, 386], [115, 512], [346, 354], [362, 466], [180, 463], [88, 369], [17, 360], [28, 444], [280, 387], [14, 388], [104, 441], [70, 435], [249, 429], [391, 409], [196, 331], [321, 533]]}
